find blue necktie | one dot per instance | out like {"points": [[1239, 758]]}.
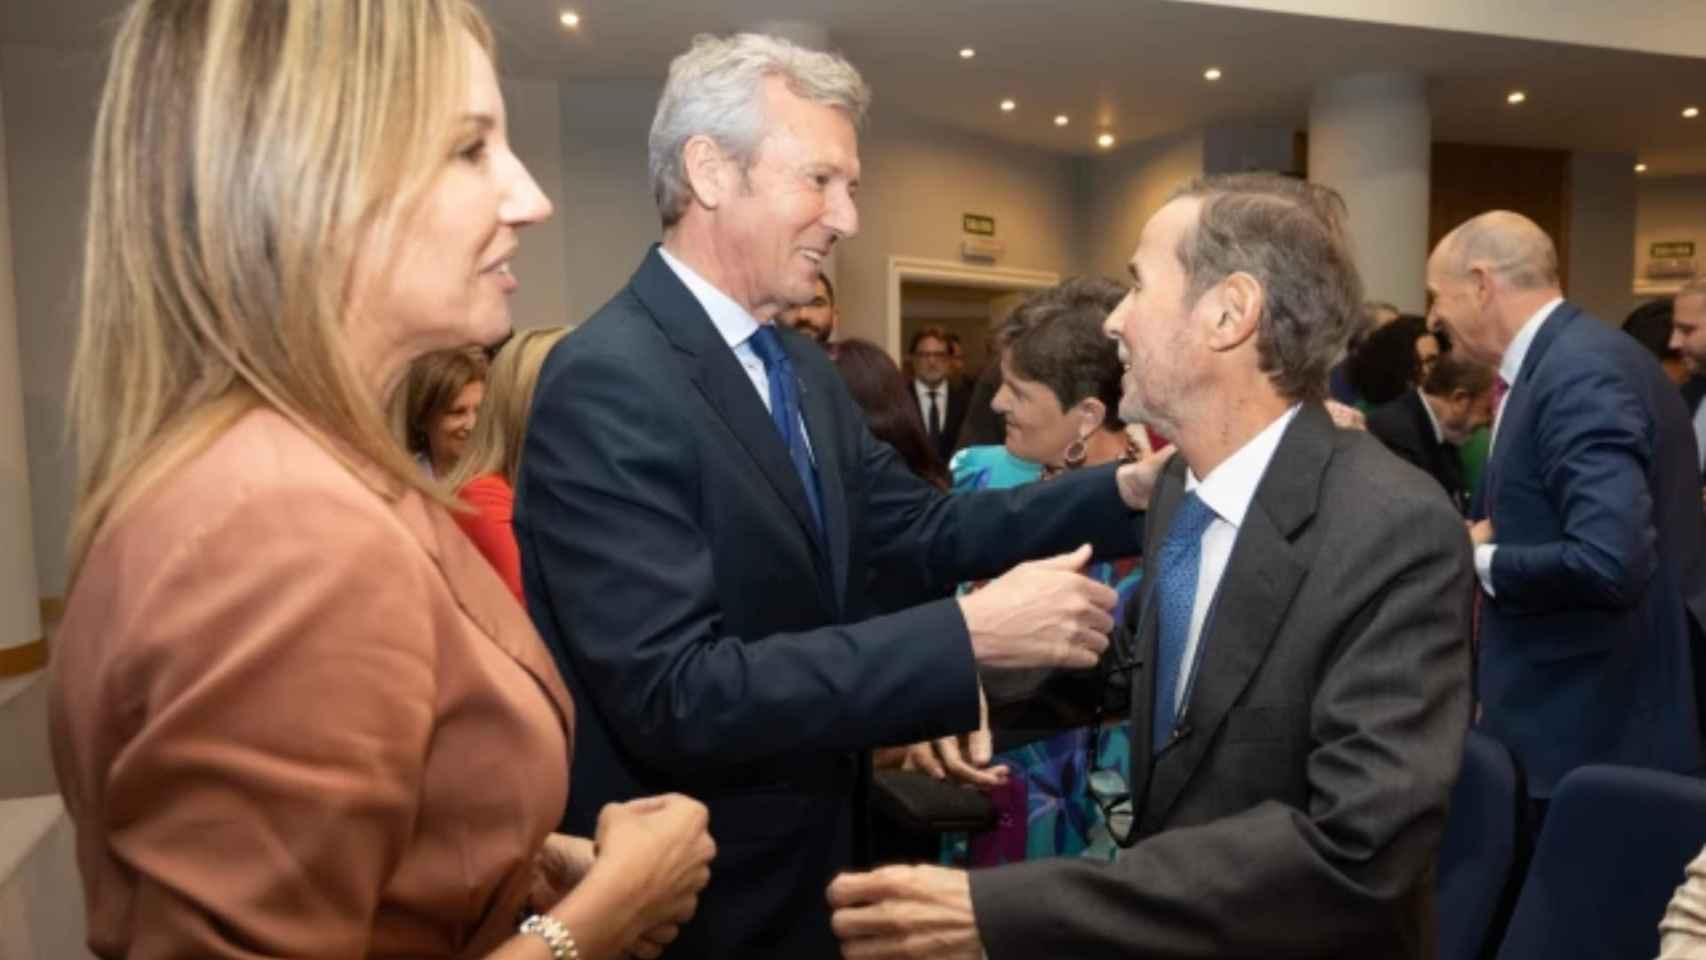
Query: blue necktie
{"points": [[785, 411], [1176, 593]]}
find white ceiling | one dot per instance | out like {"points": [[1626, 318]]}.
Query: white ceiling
{"points": [[1131, 66]]}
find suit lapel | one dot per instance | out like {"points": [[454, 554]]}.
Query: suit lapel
{"points": [[816, 407], [1250, 605], [1145, 637], [720, 379], [1520, 400], [486, 601]]}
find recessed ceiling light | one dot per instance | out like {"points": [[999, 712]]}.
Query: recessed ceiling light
{"points": [[1008, 106], [966, 53], [1640, 168], [1061, 120], [1690, 113], [1211, 74], [570, 19], [1516, 96], [1105, 141]]}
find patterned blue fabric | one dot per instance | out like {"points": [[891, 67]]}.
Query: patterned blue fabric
{"points": [[785, 411], [1175, 572]]}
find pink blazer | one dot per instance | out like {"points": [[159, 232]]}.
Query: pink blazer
{"points": [[292, 719]]}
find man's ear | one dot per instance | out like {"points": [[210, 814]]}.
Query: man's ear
{"points": [[1240, 299], [706, 169]]}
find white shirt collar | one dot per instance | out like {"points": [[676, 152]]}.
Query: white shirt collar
{"points": [[925, 390], [1439, 435], [729, 317], [1511, 363], [1229, 488]]}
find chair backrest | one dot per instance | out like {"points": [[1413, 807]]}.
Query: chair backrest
{"points": [[1481, 855], [1611, 853]]}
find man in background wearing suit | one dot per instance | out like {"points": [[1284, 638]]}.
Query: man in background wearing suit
{"points": [[1590, 541], [941, 401], [700, 506], [1300, 665], [1688, 337], [1426, 426]]}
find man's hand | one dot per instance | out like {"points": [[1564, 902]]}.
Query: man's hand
{"points": [[1137, 480], [558, 866], [905, 913], [965, 757], [1481, 532], [1045, 613], [1346, 418]]}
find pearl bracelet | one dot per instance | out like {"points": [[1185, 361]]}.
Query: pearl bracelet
{"points": [[555, 934]]}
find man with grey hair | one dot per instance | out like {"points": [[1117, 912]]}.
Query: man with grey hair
{"points": [[701, 506], [1590, 547], [1299, 666]]}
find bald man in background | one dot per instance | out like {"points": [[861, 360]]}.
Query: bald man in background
{"points": [[1590, 545]]}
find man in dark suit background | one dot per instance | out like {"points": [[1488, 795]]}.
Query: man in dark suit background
{"points": [[700, 504], [941, 400], [1299, 674], [1426, 425], [1590, 541]]}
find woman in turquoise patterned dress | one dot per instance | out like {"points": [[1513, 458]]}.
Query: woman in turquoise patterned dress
{"points": [[1059, 399]]}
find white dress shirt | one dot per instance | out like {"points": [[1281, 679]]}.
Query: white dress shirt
{"points": [[1509, 366], [1227, 490], [736, 327], [1700, 432]]}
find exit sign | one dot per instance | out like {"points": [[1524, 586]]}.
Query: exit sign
{"points": [[979, 224], [1673, 250]]}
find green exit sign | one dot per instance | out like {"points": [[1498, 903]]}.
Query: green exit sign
{"points": [[979, 224], [1673, 250]]}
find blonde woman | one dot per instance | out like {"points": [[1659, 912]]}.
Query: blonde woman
{"points": [[485, 477], [293, 712]]}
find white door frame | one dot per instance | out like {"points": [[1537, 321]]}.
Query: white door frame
{"points": [[920, 269]]}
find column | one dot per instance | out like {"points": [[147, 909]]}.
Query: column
{"points": [[21, 646], [1370, 138]]}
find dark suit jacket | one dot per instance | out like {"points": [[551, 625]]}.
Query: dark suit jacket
{"points": [[1594, 493], [1404, 427], [953, 414], [1693, 391], [707, 629], [1300, 813]]}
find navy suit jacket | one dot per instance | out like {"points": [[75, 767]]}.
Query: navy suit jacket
{"points": [[1594, 497], [708, 631]]}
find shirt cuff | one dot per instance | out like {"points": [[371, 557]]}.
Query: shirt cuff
{"points": [[1484, 566]]}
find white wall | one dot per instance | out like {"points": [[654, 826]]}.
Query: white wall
{"points": [[1122, 190], [917, 180], [20, 620], [534, 132], [1602, 227], [50, 98], [1670, 208], [607, 217]]}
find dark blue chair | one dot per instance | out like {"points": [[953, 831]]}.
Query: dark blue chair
{"points": [[1610, 855], [1482, 854]]}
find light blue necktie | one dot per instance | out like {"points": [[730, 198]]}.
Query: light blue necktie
{"points": [[1176, 594], [785, 411]]}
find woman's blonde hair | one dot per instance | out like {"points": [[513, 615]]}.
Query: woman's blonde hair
{"points": [[498, 434], [243, 152]]}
